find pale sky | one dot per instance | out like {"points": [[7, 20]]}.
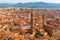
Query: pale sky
{"points": [[24, 1]]}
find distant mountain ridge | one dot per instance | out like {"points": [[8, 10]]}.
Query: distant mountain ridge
{"points": [[31, 5]]}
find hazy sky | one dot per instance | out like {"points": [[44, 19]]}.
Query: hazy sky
{"points": [[24, 1]]}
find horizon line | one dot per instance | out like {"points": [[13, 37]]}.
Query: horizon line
{"points": [[29, 2]]}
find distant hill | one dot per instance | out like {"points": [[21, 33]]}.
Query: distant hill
{"points": [[31, 5]]}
